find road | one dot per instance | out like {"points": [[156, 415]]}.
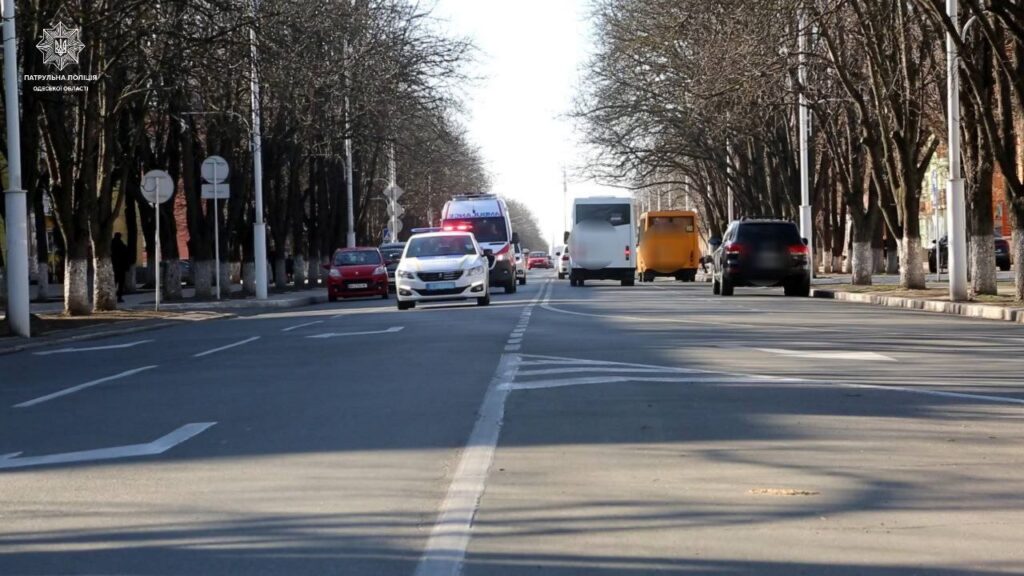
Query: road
{"points": [[602, 430]]}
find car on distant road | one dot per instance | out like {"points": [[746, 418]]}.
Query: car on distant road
{"points": [[356, 272], [443, 266], [538, 260], [521, 257], [392, 253], [563, 262], [761, 253], [1002, 250]]}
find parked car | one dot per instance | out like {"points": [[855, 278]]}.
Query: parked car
{"points": [[1002, 249], [356, 272], [443, 266], [761, 253], [392, 253], [538, 260]]}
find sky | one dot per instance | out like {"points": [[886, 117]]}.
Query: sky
{"points": [[531, 54]]}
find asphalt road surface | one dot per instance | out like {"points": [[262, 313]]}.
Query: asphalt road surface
{"points": [[602, 430]]}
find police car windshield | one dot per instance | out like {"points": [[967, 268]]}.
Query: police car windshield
{"points": [[441, 246]]}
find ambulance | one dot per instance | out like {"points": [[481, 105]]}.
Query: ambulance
{"points": [[486, 216]]}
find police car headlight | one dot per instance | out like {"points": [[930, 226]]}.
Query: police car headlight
{"points": [[406, 274], [476, 270]]}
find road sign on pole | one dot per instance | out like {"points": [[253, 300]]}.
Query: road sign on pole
{"points": [[393, 192], [157, 188], [215, 171]]}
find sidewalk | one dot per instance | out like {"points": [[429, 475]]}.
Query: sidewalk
{"points": [[136, 314]]}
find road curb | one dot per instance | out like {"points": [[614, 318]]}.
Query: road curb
{"points": [[965, 309], [216, 306]]}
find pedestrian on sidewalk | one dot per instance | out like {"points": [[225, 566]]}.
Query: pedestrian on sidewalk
{"points": [[121, 260]]}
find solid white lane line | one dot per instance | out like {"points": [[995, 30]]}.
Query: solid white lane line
{"points": [[158, 446], [599, 368], [446, 547], [92, 348], [929, 392], [222, 348], [335, 334], [290, 328], [89, 384], [709, 379]]}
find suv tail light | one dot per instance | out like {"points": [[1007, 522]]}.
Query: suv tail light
{"points": [[735, 248], [798, 250]]}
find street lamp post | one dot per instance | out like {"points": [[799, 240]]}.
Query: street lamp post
{"points": [[14, 197], [806, 217], [259, 228], [956, 221]]}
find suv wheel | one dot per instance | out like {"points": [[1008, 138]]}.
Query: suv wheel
{"points": [[726, 287], [510, 287], [406, 305], [798, 287]]}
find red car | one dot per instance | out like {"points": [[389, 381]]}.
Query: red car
{"points": [[538, 260], [356, 272]]}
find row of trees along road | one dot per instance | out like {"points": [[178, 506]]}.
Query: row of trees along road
{"points": [[173, 86], [703, 97]]}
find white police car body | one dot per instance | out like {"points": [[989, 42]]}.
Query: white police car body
{"points": [[443, 266]]}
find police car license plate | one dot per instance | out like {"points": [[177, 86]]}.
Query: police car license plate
{"points": [[440, 285], [357, 286]]}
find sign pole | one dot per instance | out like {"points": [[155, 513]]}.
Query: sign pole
{"points": [[216, 231], [156, 210], [18, 307]]}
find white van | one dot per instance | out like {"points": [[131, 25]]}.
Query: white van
{"points": [[602, 245], [486, 216]]}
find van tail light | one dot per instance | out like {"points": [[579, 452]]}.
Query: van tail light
{"points": [[565, 258], [627, 253], [798, 250]]}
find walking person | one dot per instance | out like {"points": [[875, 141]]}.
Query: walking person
{"points": [[121, 260]]}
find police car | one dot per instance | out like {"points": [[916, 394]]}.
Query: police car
{"points": [[442, 266]]}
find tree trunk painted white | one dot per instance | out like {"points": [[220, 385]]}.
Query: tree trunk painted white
{"points": [[76, 287], [838, 264], [236, 272], [225, 280], [983, 264], [104, 286], [300, 271], [280, 277], [170, 284], [862, 262], [249, 278], [878, 260], [827, 260], [43, 281], [202, 278], [1017, 249], [912, 275]]}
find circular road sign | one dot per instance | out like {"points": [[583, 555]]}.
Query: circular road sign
{"points": [[157, 187], [215, 170]]}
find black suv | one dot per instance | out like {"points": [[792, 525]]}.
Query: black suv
{"points": [[761, 253], [392, 256]]}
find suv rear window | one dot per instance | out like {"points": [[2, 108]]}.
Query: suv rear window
{"points": [[769, 232]]}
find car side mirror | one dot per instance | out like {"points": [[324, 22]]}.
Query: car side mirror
{"points": [[715, 242], [804, 240], [489, 254], [326, 267], [565, 238], [515, 237]]}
